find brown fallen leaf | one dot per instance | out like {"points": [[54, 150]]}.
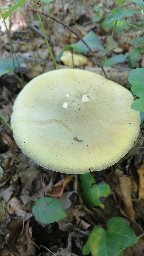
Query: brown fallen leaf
{"points": [[125, 191], [136, 250], [58, 188], [25, 243], [14, 229], [2, 210], [140, 172], [14, 206]]}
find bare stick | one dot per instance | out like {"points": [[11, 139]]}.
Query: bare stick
{"points": [[76, 34]]}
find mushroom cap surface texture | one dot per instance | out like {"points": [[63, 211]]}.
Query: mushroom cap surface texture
{"points": [[74, 121]]}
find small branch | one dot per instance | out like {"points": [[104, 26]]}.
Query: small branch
{"points": [[76, 34], [138, 237]]}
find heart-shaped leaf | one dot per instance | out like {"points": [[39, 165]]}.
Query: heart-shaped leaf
{"points": [[111, 242], [48, 210], [93, 192]]}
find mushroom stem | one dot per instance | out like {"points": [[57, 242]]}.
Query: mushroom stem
{"points": [[7, 126]]}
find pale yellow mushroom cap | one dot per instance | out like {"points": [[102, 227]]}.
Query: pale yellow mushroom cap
{"points": [[74, 121]]}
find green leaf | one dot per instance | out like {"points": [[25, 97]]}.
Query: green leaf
{"points": [[138, 105], [92, 192], [13, 8], [120, 1], [92, 40], [48, 210], [47, 1], [96, 244], [140, 3], [99, 12], [66, 48], [120, 26], [96, 18], [134, 56], [136, 78], [7, 65], [117, 59], [138, 42], [110, 243], [118, 14]]}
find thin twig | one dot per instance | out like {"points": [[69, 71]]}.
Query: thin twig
{"points": [[138, 237], [76, 34], [48, 250]]}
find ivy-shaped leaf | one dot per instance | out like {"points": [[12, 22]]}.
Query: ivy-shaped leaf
{"points": [[93, 192], [48, 210], [112, 241]]}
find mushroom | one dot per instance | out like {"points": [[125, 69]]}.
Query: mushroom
{"points": [[74, 121]]}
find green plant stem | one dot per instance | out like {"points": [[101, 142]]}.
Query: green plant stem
{"points": [[138, 237], [7, 126], [46, 40], [111, 37]]}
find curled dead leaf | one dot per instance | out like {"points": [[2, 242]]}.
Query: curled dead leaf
{"points": [[14, 206], [58, 188], [140, 172], [125, 191]]}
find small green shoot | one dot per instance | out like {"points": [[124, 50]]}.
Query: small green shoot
{"points": [[92, 192], [11, 9], [48, 210], [136, 78], [110, 242]]}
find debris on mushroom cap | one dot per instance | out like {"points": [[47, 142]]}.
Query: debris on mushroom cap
{"points": [[65, 105], [85, 98], [84, 137]]}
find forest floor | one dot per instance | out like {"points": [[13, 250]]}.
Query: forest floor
{"points": [[21, 180]]}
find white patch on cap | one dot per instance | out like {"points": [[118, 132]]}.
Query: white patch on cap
{"points": [[67, 95], [85, 98], [65, 105]]}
